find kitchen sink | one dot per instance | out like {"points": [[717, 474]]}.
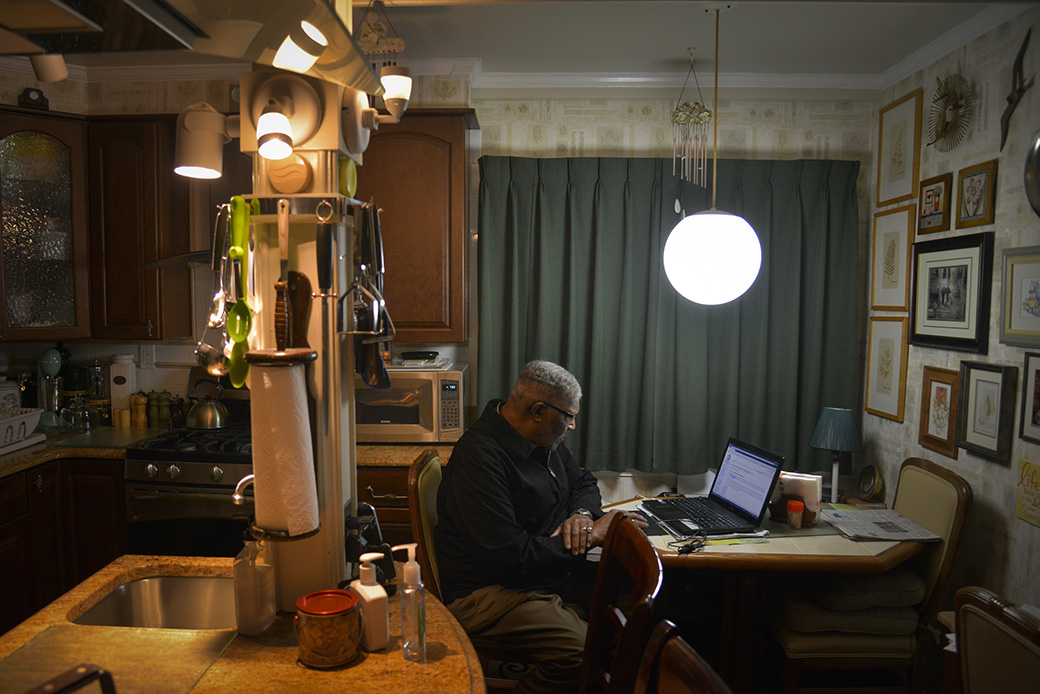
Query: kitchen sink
{"points": [[167, 602]]}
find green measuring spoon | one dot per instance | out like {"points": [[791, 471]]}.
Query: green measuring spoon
{"points": [[240, 317], [238, 367]]}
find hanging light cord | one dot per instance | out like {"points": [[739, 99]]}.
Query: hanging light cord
{"points": [[715, 120]]}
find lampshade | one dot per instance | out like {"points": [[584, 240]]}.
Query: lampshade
{"points": [[201, 136], [835, 431], [397, 86], [274, 135], [300, 49], [712, 257], [49, 67]]}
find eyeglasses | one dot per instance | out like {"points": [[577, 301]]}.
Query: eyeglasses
{"points": [[565, 413]]}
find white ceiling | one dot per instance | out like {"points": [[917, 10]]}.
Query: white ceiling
{"points": [[851, 44]]}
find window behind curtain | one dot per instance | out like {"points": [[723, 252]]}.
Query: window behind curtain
{"points": [[570, 271]]}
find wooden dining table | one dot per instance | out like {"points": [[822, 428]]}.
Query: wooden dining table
{"points": [[748, 566]]}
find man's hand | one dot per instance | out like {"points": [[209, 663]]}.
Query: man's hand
{"points": [[581, 533]]}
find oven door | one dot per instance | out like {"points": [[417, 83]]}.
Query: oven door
{"points": [[185, 521]]}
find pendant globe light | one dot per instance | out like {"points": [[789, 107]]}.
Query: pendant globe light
{"points": [[712, 257]]}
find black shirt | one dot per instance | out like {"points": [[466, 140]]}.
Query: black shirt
{"points": [[499, 500]]}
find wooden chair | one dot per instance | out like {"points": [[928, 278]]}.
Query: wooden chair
{"points": [[672, 666], [936, 499], [629, 569], [998, 644], [424, 478]]}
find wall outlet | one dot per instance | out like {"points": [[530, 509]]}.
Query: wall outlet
{"points": [[146, 357]]}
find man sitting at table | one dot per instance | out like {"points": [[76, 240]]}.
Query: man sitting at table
{"points": [[516, 515]]}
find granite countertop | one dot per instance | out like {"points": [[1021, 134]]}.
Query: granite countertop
{"points": [[265, 663], [398, 455]]}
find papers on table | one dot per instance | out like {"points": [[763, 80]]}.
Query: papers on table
{"points": [[876, 524]]}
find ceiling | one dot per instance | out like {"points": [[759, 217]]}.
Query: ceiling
{"points": [[839, 45], [847, 43]]}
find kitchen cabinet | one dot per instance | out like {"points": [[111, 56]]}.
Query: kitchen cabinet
{"points": [[16, 583], [94, 514], [386, 488], [139, 213], [43, 225], [50, 578], [416, 171]]}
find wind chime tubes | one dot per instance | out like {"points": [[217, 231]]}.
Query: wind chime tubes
{"points": [[690, 141]]}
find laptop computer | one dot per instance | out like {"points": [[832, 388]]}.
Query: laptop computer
{"points": [[736, 502]]}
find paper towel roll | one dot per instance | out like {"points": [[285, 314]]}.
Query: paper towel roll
{"points": [[283, 462]]}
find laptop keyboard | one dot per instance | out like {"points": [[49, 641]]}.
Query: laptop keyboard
{"points": [[702, 514]]}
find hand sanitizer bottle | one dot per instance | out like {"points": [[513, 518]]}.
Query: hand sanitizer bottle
{"points": [[375, 613], [413, 608]]}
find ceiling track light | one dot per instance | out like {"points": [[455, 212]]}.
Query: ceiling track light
{"points": [[49, 67], [397, 91], [202, 132], [274, 133], [712, 257], [301, 48]]}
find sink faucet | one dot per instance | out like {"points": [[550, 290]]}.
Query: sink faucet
{"points": [[239, 496]]}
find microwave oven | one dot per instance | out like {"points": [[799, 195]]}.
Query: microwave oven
{"points": [[420, 406]]}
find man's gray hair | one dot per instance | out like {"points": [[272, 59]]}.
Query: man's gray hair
{"points": [[542, 379]]}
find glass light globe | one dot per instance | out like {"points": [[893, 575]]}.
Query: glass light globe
{"points": [[712, 257]]}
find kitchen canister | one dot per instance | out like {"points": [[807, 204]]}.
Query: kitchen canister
{"points": [[122, 381], [10, 395], [328, 628]]}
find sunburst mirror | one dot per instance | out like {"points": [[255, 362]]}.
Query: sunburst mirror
{"points": [[951, 113]]}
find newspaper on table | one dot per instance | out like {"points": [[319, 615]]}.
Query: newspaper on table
{"points": [[876, 524]]}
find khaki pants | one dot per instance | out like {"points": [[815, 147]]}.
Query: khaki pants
{"points": [[535, 627]]}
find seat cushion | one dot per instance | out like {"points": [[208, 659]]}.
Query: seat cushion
{"points": [[836, 644], [806, 616], [900, 587]]}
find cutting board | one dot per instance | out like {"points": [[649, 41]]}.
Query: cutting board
{"points": [[141, 661]]}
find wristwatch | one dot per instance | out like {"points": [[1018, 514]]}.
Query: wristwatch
{"points": [[582, 512]]}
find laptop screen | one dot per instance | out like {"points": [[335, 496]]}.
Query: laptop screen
{"points": [[746, 478]]}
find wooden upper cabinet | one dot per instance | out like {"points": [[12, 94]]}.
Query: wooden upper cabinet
{"points": [[139, 213], [44, 241], [416, 171]]}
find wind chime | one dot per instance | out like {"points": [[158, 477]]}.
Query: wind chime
{"points": [[690, 121]]}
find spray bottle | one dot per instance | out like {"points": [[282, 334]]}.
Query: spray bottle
{"points": [[374, 604], [413, 608]]}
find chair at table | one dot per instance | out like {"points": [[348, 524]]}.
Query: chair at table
{"points": [[998, 644], [672, 666], [884, 622], [424, 478], [629, 572]]}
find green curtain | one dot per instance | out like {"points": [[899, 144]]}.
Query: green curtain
{"points": [[570, 271]]}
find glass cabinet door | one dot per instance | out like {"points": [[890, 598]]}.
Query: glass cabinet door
{"points": [[43, 262]]}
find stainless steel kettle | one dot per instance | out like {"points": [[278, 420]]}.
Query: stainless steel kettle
{"points": [[208, 412]]}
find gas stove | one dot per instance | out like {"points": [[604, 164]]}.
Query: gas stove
{"points": [[231, 444]]}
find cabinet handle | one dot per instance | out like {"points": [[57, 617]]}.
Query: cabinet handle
{"points": [[150, 327], [385, 497], [39, 483]]}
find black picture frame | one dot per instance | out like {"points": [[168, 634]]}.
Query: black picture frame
{"points": [[986, 412], [952, 281]]}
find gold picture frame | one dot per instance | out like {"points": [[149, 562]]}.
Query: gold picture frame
{"points": [[976, 194], [890, 272], [899, 149], [886, 366]]}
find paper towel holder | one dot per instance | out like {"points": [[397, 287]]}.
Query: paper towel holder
{"points": [[264, 534]]}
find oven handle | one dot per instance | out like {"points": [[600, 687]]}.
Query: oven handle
{"points": [[187, 495]]}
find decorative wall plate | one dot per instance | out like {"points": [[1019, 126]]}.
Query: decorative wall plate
{"points": [[951, 113], [1033, 174]]}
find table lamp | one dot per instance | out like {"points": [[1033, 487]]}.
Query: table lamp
{"points": [[836, 432]]}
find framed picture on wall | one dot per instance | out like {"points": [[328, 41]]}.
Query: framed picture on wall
{"points": [[1029, 427], [933, 204], [1020, 297], [893, 234], [976, 194], [939, 394], [899, 147], [951, 281], [986, 411], [886, 371]]}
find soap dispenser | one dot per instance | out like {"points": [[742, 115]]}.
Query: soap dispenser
{"points": [[413, 607], [374, 604]]}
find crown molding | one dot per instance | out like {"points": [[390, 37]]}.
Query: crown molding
{"points": [[137, 73]]}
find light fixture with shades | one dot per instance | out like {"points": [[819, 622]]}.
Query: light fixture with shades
{"points": [[358, 119], [273, 134], [301, 48], [836, 432], [202, 132], [712, 257]]}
